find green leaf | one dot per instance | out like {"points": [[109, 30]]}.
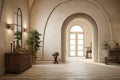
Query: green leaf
{"points": [[33, 42]]}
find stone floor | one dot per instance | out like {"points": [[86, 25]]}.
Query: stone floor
{"points": [[74, 69]]}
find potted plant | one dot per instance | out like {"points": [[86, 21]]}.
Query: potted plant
{"points": [[106, 45], [106, 48], [33, 43], [116, 46]]}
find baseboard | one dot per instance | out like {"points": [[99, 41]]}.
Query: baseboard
{"points": [[2, 71], [101, 60], [44, 62]]}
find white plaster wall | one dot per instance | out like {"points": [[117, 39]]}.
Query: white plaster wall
{"points": [[113, 10], [100, 10], [10, 7]]}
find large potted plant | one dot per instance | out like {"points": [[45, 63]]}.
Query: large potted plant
{"points": [[33, 43], [106, 48]]}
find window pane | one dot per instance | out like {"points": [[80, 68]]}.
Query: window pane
{"points": [[15, 19], [15, 28], [72, 47], [72, 36], [72, 41], [19, 28], [19, 20], [76, 28], [80, 36], [80, 47], [80, 53], [80, 41], [19, 13], [72, 53]]}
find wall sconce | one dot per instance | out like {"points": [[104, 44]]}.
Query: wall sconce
{"points": [[10, 26], [25, 30]]}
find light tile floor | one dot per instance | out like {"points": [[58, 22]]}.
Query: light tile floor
{"points": [[74, 69]]}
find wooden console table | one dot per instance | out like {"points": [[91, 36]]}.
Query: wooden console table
{"points": [[17, 62], [115, 54]]}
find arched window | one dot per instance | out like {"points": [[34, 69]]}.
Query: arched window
{"points": [[76, 41], [76, 28], [18, 28]]}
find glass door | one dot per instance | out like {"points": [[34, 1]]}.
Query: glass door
{"points": [[76, 41], [72, 44]]}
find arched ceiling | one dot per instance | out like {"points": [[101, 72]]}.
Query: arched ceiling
{"points": [[30, 3]]}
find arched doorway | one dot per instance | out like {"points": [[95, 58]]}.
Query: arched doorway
{"points": [[92, 25], [76, 41], [95, 15]]}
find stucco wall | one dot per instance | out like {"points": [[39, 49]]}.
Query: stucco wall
{"points": [[112, 7], [104, 12], [9, 9]]}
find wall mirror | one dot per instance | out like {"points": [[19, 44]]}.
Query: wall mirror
{"points": [[18, 29]]}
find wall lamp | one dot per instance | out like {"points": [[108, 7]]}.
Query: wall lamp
{"points": [[10, 26], [25, 30]]}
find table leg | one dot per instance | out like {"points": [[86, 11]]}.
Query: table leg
{"points": [[117, 60], [86, 54], [106, 60]]}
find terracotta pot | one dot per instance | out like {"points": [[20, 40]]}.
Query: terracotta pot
{"points": [[33, 60]]}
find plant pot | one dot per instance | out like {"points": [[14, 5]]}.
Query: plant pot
{"points": [[33, 60], [105, 52]]}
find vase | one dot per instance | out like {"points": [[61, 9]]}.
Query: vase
{"points": [[105, 52]]}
